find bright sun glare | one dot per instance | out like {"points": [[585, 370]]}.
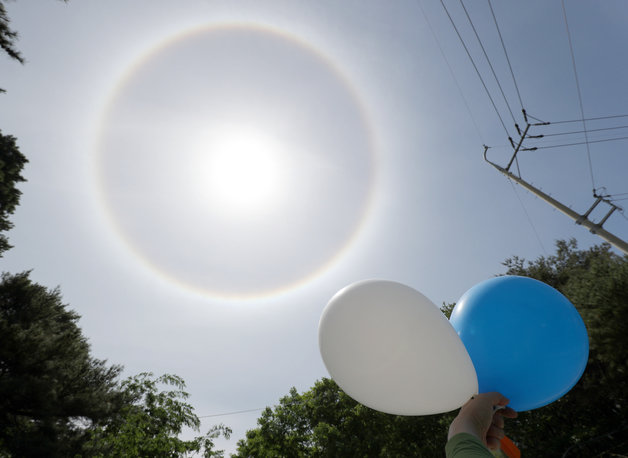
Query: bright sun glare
{"points": [[236, 161], [240, 170]]}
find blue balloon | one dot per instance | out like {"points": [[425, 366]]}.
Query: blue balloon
{"points": [[526, 340]]}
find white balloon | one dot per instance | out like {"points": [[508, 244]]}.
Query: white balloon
{"points": [[390, 348]]}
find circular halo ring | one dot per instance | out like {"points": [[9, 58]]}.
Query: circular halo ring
{"points": [[109, 213]]}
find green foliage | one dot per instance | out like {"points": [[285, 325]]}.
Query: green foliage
{"points": [[58, 401], [11, 164], [151, 421], [447, 309], [325, 422], [49, 384], [592, 419], [8, 36]]}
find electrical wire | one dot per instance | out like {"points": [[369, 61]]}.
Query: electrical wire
{"points": [[538, 238], [451, 71], [475, 67], [575, 72], [587, 119], [572, 139], [231, 413], [506, 53], [585, 131], [489, 61], [518, 169], [583, 143], [537, 119]]}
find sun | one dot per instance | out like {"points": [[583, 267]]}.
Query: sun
{"points": [[239, 169], [236, 161]]}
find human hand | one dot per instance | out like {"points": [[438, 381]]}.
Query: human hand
{"points": [[483, 416]]}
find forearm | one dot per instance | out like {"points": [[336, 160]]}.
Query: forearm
{"points": [[465, 445]]}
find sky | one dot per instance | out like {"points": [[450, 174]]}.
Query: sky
{"points": [[205, 175]]}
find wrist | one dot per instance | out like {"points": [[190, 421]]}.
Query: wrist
{"points": [[461, 426]]}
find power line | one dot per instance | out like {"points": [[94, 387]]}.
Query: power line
{"points": [[537, 119], [587, 119], [231, 413], [582, 131], [580, 143], [527, 216], [488, 60], [575, 72], [451, 71], [506, 53], [475, 67], [573, 139], [518, 169], [538, 142]]}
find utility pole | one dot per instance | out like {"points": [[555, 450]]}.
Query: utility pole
{"points": [[583, 220]]}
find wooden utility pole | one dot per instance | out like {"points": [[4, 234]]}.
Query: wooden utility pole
{"points": [[583, 220]]}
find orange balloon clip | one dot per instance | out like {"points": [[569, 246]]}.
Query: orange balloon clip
{"points": [[509, 448]]}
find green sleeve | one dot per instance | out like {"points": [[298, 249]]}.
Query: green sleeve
{"points": [[464, 445]]}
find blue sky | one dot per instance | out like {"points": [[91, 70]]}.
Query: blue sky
{"points": [[370, 141]]}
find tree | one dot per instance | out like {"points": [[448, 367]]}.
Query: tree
{"points": [[591, 420], [151, 421], [11, 160], [325, 422], [8, 36], [11, 164], [58, 401], [50, 386]]}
